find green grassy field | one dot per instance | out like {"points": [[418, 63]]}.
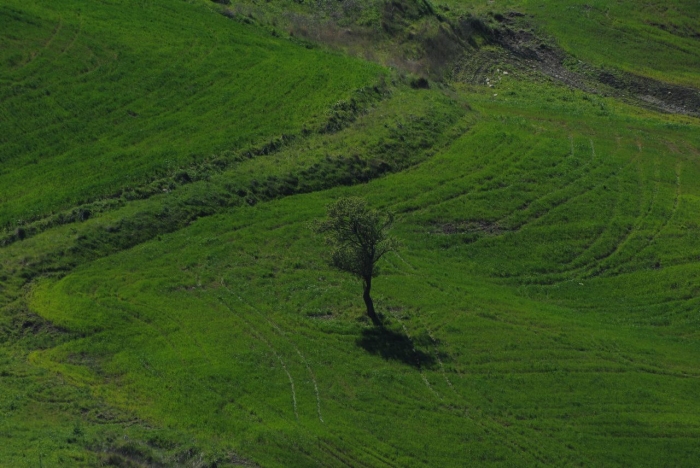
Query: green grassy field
{"points": [[528, 319], [541, 312], [658, 39], [84, 89]]}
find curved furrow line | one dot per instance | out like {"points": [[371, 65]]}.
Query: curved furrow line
{"points": [[100, 61], [457, 177], [442, 366], [377, 457], [68, 46], [72, 42], [149, 79], [571, 143], [200, 58], [46, 44], [666, 222], [575, 175], [510, 439], [486, 174], [517, 443], [122, 107], [396, 253], [280, 332], [634, 232], [599, 239], [588, 172], [272, 349], [687, 304], [362, 448], [156, 88], [207, 357], [329, 450], [617, 357], [152, 79], [555, 277], [394, 267], [343, 458], [554, 196], [415, 352]]}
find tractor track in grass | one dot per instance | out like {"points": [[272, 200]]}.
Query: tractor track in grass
{"points": [[44, 46], [594, 265], [166, 339], [148, 325], [667, 220], [150, 80], [580, 174], [485, 175], [600, 238], [396, 253], [488, 423], [153, 82], [557, 275], [260, 338], [284, 335], [509, 439], [485, 159], [687, 304], [517, 443], [344, 458], [75, 37], [99, 62], [164, 315], [557, 200], [634, 232], [442, 366], [70, 80], [417, 358]]}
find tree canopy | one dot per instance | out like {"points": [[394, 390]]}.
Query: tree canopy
{"points": [[358, 239]]}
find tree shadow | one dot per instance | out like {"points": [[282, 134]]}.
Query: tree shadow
{"points": [[394, 346]]}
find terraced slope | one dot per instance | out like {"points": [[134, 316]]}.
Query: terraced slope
{"points": [[164, 303], [542, 310], [97, 100]]}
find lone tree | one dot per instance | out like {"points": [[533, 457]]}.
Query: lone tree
{"points": [[358, 238]]}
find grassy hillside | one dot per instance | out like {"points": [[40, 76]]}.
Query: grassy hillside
{"points": [[99, 99], [163, 301], [658, 38], [522, 324]]}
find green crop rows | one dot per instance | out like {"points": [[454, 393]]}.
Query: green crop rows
{"points": [[169, 86], [543, 308]]}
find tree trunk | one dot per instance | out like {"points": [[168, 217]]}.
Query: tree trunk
{"points": [[370, 305]]}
